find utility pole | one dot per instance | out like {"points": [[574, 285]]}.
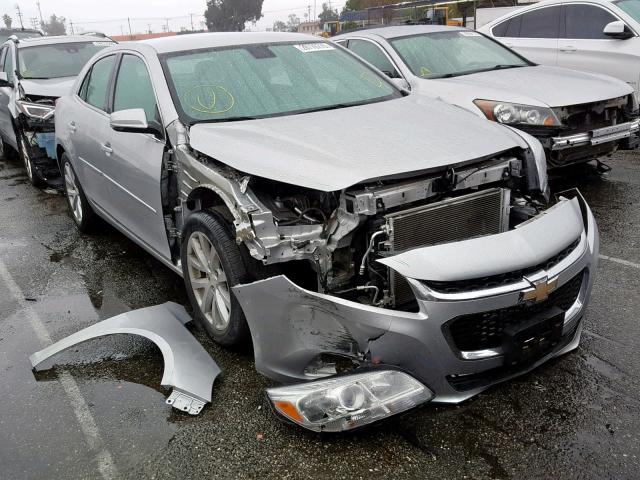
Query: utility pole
{"points": [[129, 22], [315, 10], [167, 25], [309, 13], [19, 16], [39, 11], [71, 25], [122, 30], [192, 28], [148, 28]]}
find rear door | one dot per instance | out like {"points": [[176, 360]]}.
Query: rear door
{"points": [[534, 34], [585, 47], [87, 124], [135, 162]]}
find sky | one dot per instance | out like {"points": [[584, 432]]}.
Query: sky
{"points": [[110, 16]]}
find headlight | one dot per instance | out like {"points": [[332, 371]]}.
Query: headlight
{"points": [[36, 110], [517, 114], [350, 401]]}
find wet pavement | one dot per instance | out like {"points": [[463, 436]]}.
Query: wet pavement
{"points": [[103, 414]]}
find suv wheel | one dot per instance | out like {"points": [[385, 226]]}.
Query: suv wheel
{"points": [[211, 265], [79, 207], [34, 175]]}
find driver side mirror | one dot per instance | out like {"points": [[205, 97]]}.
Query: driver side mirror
{"points": [[131, 121], [4, 80], [618, 30]]}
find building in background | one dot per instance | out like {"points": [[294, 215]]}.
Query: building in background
{"points": [[312, 28]]}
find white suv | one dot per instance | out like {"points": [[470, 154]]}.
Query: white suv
{"points": [[595, 35]]}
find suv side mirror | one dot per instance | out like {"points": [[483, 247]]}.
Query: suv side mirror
{"points": [[131, 121], [617, 29], [4, 80]]}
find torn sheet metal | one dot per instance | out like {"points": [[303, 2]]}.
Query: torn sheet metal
{"points": [[291, 326], [188, 368]]}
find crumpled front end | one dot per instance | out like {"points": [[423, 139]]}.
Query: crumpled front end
{"points": [[488, 309]]}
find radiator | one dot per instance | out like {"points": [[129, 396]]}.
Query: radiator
{"points": [[474, 215]]}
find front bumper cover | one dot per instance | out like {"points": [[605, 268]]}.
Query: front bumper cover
{"points": [[292, 327]]}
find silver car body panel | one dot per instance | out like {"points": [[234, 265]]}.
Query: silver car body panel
{"points": [[188, 368], [305, 141], [53, 87], [292, 326]]}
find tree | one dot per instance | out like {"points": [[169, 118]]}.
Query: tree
{"points": [[327, 15], [55, 26], [7, 20], [354, 5], [279, 26], [231, 15], [293, 22]]}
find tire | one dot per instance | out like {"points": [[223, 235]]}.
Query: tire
{"points": [[79, 208], [33, 173], [207, 240]]}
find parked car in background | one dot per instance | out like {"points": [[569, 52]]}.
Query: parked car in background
{"points": [[599, 36], [19, 33], [34, 72], [577, 116], [387, 249]]}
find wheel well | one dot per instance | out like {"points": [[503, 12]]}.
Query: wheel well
{"points": [[203, 198]]}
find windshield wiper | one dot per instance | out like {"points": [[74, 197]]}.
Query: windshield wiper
{"points": [[480, 70], [504, 67], [37, 78]]}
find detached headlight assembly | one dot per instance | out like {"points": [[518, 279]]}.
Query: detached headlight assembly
{"points": [[36, 110], [517, 114], [347, 402]]}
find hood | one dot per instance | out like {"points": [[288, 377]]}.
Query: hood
{"points": [[335, 149], [536, 85], [53, 87]]}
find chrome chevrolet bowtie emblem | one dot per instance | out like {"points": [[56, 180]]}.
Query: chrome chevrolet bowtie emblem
{"points": [[540, 291]]}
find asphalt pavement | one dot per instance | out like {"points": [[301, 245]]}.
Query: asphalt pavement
{"points": [[102, 413]]}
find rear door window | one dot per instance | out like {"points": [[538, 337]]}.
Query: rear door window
{"points": [[540, 23], [95, 93], [586, 21]]}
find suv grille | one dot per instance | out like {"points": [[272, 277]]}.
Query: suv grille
{"points": [[501, 279], [484, 330]]}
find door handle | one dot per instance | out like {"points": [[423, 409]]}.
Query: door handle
{"points": [[73, 127], [106, 148], [568, 49]]}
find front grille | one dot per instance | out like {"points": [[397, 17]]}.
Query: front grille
{"points": [[480, 331], [591, 116], [501, 279], [461, 218]]}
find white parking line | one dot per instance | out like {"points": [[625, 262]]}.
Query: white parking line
{"points": [[620, 261], [107, 468]]}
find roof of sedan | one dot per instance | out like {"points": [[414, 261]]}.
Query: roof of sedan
{"points": [[33, 41], [400, 31], [196, 41]]}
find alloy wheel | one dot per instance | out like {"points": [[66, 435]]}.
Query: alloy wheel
{"points": [[73, 193], [208, 281]]}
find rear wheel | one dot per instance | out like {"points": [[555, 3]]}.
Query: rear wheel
{"points": [[79, 207], [212, 264]]}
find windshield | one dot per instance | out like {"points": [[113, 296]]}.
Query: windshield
{"points": [[453, 53], [57, 60], [630, 7], [264, 80]]}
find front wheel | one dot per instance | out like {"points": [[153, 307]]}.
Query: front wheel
{"points": [[25, 155], [212, 264]]}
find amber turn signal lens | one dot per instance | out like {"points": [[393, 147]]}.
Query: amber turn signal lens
{"points": [[289, 410]]}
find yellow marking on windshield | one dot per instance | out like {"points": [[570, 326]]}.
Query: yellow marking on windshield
{"points": [[424, 71], [373, 80], [210, 99]]}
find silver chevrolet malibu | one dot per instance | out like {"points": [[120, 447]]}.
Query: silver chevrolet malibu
{"points": [[381, 250]]}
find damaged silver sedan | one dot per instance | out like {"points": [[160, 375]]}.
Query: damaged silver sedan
{"points": [[381, 250]]}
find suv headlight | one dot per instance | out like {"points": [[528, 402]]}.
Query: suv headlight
{"points": [[36, 110], [347, 402], [517, 114]]}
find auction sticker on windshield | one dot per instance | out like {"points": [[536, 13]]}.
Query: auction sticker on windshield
{"points": [[470, 34], [313, 47], [103, 44]]}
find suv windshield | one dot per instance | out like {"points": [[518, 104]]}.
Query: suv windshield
{"points": [[453, 53], [630, 7], [265, 80], [57, 60]]}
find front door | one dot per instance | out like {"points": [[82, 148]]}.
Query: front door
{"points": [[135, 165], [6, 127]]}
